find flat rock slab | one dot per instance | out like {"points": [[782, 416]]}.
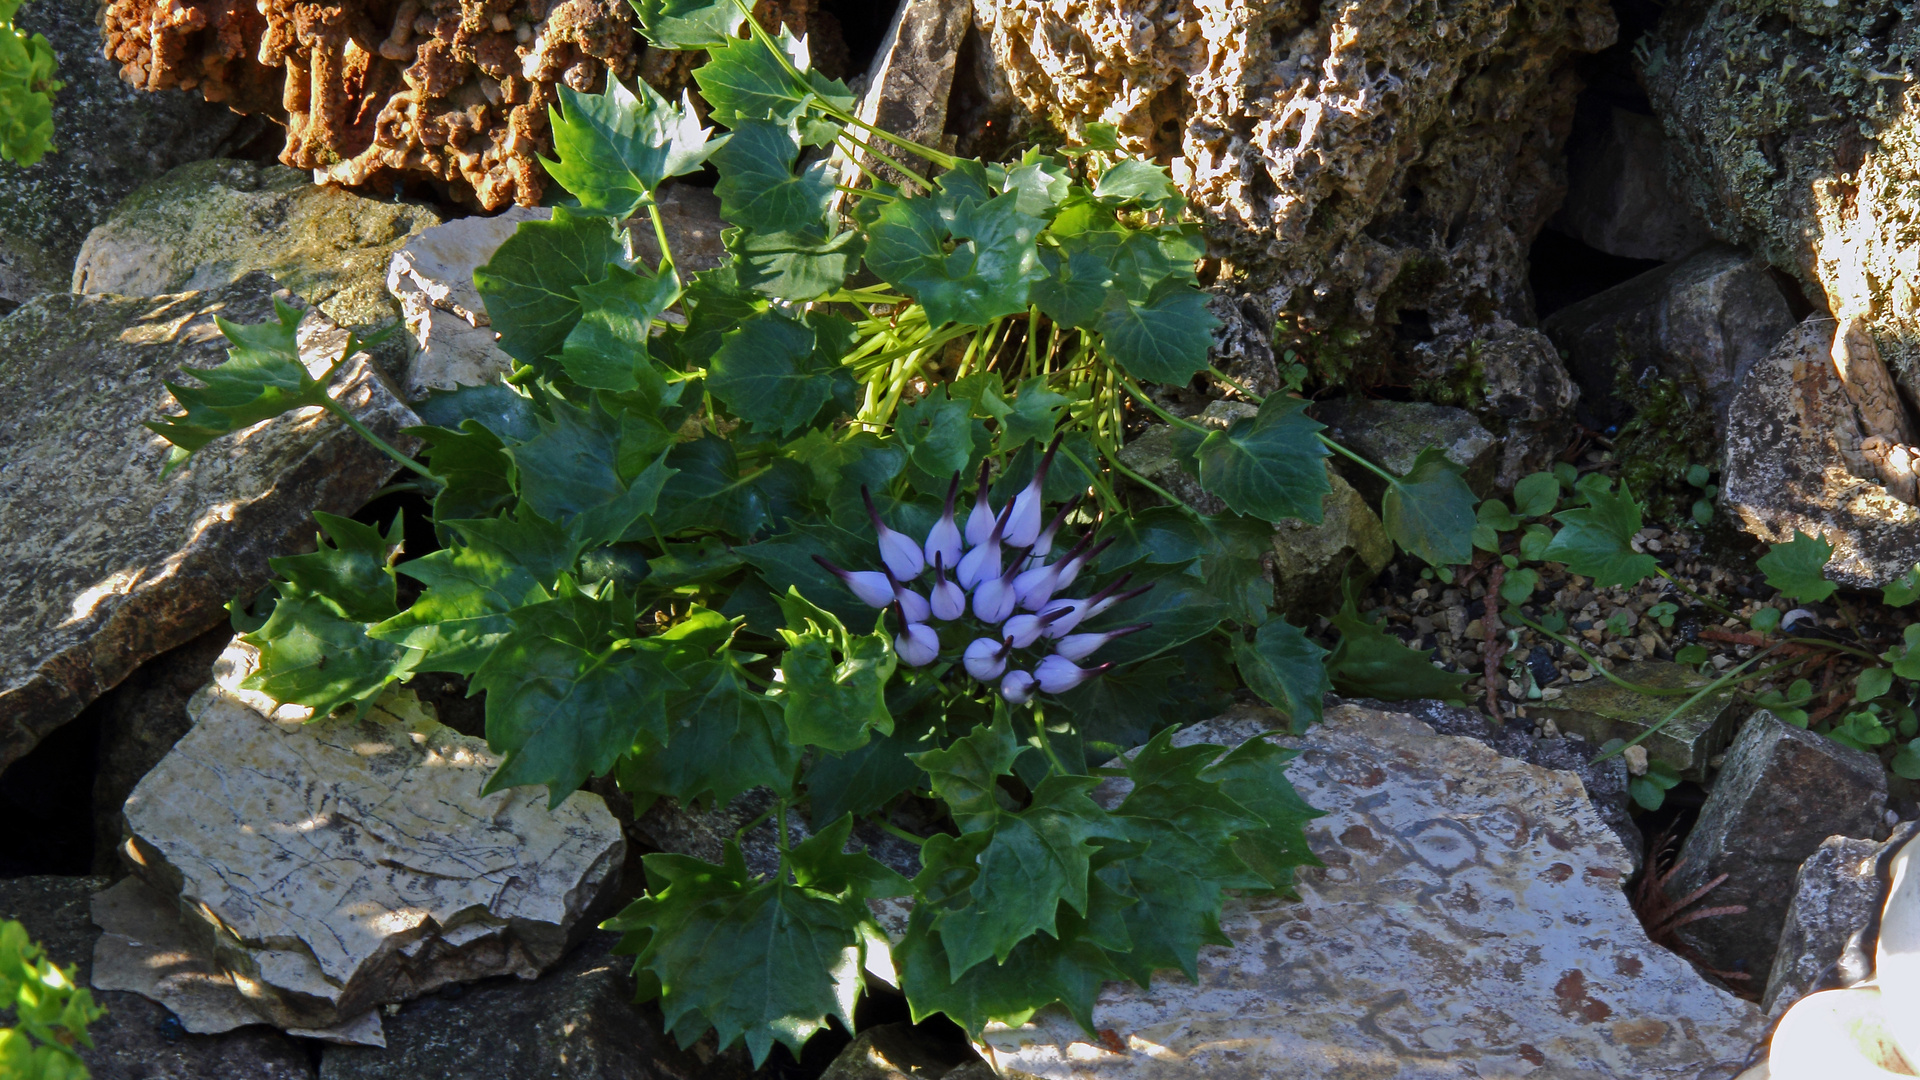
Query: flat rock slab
{"points": [[104, 563], [139, 1039], [1598, 710], [340, 864], [1468, 922]]}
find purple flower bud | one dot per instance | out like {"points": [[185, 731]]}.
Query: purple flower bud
{"points": [[943, 540], [948, 601], [1057, 674], [994, 598], [1101, 604], [1043, 547], [986, 658], [913, 607], [1017, 687], [983, 561], [1081, 646], [981, 520], [1024, 526], [1077, 611], [1036, 586], [918, 646], [897, 550], [1071, 566], [873, 588], [1024, 630]]}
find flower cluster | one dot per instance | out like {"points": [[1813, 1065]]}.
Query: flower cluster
{"points": [[1000, 567]]}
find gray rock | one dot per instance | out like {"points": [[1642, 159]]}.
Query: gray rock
{"points": [[108, 563], [1599, 711], [1781, 791], [1618, 198], [340, 864], [898, 1052], [209, 223], [911, 78], [1797, 459], [1392, 434], [692, 218], [1243, 343], [1605, 781], [1468, 921], [1702, 322], [140, 720], [576, 1022], [108, 139], [1835, 893], [138, 1039], [1525, 384]]}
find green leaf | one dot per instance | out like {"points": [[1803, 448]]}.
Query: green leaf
{"points": [[1040, 182], [1074, 292], [775, 373], [262, 378], [1495, 516], [1906, 763], [761, 959], [1253, 775], [745, 81], [986, 275], [1906, 659], [1534, 543], [1134, 180], [1035, 415], [1429, 511], [314, 648], [823, 864], [471, 588], [1034, 861], [796, 266], [1596, 540], [607, 349], [1287, 669], [724, 738], [1163, 338], [26, 88], [1270, 465], [833, 683], [864, 780], [1798, 567], [582, 470], [689, 24], [615, 148], [1369, 662], [939, 436], [472, 464], [568, 691], [1518, 586], [529, 283], [1181, 606], [1904, 589], [758, 188], [1536, 495], [1873, 683], [965, 775]]}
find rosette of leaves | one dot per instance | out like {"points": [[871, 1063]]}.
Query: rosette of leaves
{"points": [[43, 1015], [636, 531], [27, 86]]}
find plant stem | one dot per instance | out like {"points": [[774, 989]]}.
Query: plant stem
{"points": [[780, 813], [1596, 666], [890, 828], [1683, 587], [1363, 462], [740, 833], [379, 443], [1114, 461], [1241, 390], [660, 234], [1732, 676], [1033, 339], [1140, 395], [1046, 744]]}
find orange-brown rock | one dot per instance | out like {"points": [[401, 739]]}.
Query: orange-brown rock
{"points": [[376, 91]]}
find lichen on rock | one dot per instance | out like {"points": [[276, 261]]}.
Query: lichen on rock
{"points": [[1377, 169]]}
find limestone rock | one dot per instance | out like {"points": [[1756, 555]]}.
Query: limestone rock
{"points": [[1599, 710], [1358, 167], [1796, 460], [1835, 894], [1703, 322], [108, 563], [337, 865], [432, 278], [576, 1022], [1794, 135], [911, 78], [1392, 434], [139, 721], [1780, 793], [1619, 199], [1310, 561], [1468, 921], [108, 139], [138, 1039], [209, 223]]}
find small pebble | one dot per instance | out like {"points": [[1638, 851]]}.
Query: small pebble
{"points": [[1549, 729], [1636, 759], [1580, 674]]}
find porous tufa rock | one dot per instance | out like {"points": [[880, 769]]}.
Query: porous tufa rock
{"points": [[1355, 164], [337, 864], [455, 91]]}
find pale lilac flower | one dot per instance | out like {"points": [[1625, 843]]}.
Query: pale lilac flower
{"points": [[1056, 674], [983, 561], [914, 605], [986, 658], [948, 600], [1024, 630], [994, 598], [1017, 687], [872, 587], [918, 645], [897, 550], [981, 521], [943, 540], [1024, 526], [1081, 646]]}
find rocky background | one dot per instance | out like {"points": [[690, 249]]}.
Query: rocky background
{"points": [[1624, 236]]}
